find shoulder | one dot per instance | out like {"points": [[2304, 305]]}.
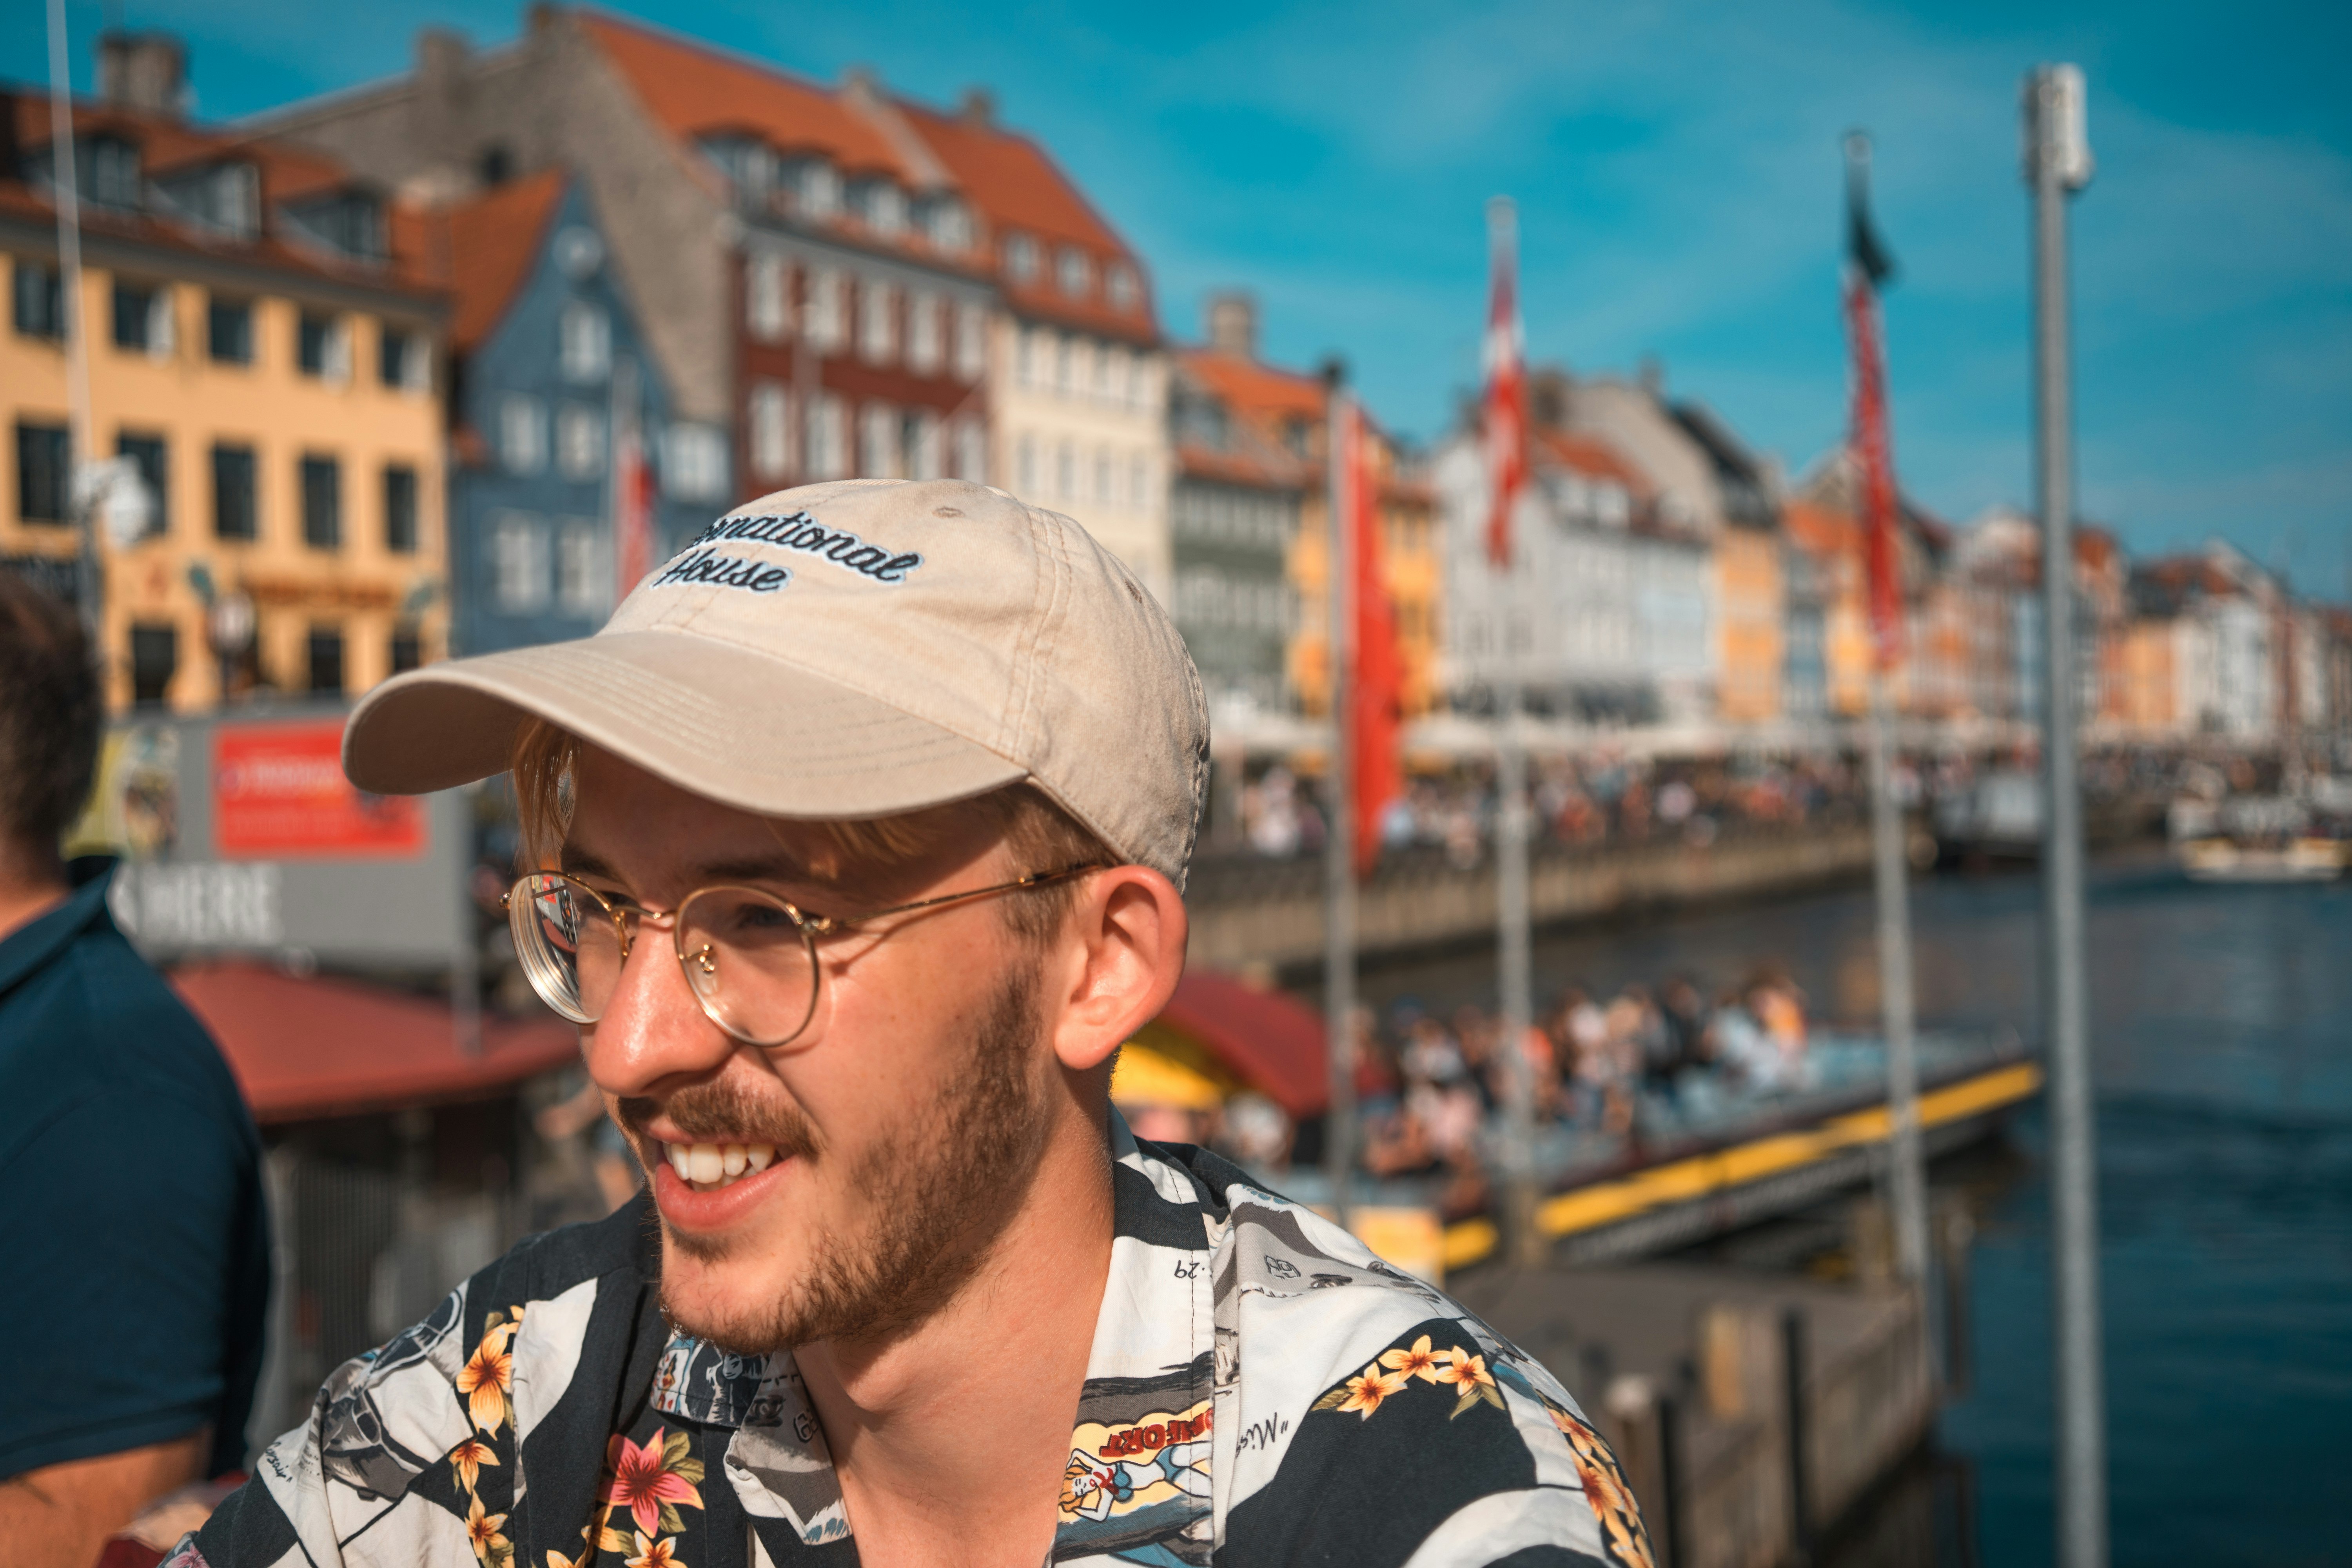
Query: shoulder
{"points": [[1376, 1419]]}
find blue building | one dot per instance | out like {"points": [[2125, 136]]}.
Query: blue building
{"points": [[546, 361]]}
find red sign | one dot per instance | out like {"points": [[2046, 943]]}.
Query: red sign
{"points": [[278, 790]]}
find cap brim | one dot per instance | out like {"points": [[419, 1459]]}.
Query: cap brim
{"points": [[718, 720]]}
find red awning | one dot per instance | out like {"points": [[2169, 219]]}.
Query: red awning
{"points": [[305, 1048], [1270, 1041]]}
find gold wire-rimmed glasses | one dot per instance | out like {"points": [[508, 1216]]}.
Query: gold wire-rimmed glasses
{"points": [[749, 956]]}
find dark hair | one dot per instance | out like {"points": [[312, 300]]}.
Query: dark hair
{"points": [[51, 715]]}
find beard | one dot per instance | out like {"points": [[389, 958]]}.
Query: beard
{"points": [[935, 1193]]}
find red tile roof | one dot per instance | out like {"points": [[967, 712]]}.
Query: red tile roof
{"points": [[166, 146], [695, 89], [307, 1049], [1589, 456], [486, 248], [1260, 403], [1017, 186]]}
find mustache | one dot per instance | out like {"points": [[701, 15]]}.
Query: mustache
{"points": [[714, 1111]]}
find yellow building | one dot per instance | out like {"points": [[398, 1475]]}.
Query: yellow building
{"points": [[263, 350], [1410, 570], [1751, 649]]}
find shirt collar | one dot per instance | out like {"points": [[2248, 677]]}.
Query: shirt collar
{"points": [[37, 941]]}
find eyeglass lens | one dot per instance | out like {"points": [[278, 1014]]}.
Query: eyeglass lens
{"points": [[750, 963]]}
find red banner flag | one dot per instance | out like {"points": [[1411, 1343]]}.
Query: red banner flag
{"points": [[633, 488], [1506, 386], [1376, 689], [1872, 447]]}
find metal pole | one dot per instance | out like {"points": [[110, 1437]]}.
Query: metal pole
{"points": [[2058, 160], [1907, 1180], [65, 175], [1339, 810]]}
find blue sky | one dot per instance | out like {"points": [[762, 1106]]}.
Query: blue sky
{"points": [[1677, 171]]}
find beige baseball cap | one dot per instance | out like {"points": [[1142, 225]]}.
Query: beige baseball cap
{"points": [[851, 649]]}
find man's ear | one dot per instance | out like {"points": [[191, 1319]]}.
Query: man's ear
{"points": [[1120, 955]]}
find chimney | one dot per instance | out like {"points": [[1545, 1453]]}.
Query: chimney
{"points": [[146, 73], [861, 85], [979, 108], [444, 64], [1233, 323]]}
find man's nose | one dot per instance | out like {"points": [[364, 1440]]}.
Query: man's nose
{"points": [[654, 1029]]}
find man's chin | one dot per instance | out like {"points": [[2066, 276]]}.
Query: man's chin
{"points": [[726, 1300]]}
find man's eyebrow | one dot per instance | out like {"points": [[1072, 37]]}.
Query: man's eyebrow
{"points": [[579, 862], [756, 869]]}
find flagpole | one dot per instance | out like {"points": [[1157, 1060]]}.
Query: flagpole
{"points": [[2057, 164], [1338, 809], [65, 183], [1873, 466], [1514, 959]]}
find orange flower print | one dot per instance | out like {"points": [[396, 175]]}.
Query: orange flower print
{"points": [[1419, 1361], [482, 1531], [1469, 1376], [658, 1553], [1364, 1394], [650, 1480], [467, 1459], [1613, 1506], [487, 1377]]}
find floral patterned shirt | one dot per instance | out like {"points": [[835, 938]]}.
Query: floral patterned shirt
{"points": [[1260, 1390]]}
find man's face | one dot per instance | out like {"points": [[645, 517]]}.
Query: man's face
{"points": [[904, 1122]]}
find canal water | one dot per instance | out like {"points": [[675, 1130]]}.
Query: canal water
{"points": [[2222, 1030]]}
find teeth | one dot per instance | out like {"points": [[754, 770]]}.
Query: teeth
{"points": [[707, 1167]]}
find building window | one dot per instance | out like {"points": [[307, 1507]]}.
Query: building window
{"points": [[148, 455], [580, 441], [771, 420], [154, 659], [1065, 364], [400, 358], [38, 302], [581, 574], [1020, 258], [322, 348], [1025, 467], [971, 341], [828, 325], [948, 222], [878, 442], [819, 189], [326, 662], [767, 296], [927, 453], [407, 647], [694, 462], [972, 450], [522, 434], [1102, 478], [828, 438], [1112, 368], [43, 459], [1026, 351], [1065, 472], [110, 177], [142, 318], [400, 508], [228, 330], [1126, 289], [519, 571], [234, 511], [587, 347], [925, 345], [322, 503], [877, 322], [1074, 271]]}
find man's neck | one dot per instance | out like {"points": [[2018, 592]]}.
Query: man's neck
{"points": [[1004, 1363], [32, 880]]}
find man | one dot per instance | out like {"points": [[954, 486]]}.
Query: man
{"points": [[856, 838], [133, 1224]]}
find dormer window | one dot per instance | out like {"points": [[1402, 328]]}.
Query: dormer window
{"points": [[1126, 289], [947, 224], [225, 198], [112, 175], [1020, 258], [348, 222], [748, 166], [815, 185], [883, 206], [1074, 272]]}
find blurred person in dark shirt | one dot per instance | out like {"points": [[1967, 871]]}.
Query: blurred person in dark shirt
{"points": [[133, 1220]]}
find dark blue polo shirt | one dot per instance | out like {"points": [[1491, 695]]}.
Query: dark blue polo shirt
{"points": [[132, 1235]]}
